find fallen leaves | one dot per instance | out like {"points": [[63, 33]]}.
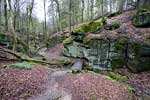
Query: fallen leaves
{"points": [[19, 84]]}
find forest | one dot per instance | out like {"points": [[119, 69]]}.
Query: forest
{"points": [[74, 49]]}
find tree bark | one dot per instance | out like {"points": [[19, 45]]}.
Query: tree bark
{"points": [[59, 15], [82, 15], [70, 15], [91, 9], [45, 24], [12, 27], [5, 14], [121, 5], [0, 14]]}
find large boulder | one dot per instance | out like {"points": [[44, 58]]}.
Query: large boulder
{"points": [[142, 17], [139, 58]]}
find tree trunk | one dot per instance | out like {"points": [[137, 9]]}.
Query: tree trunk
{"points": [[102, 5], [91, 8], [12, 27], [82, 15], [59, 15], [0, 14], [70, 15], [121, 7], [45, 24], [5, 14]]}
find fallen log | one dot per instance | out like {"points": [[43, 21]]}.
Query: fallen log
{"points": [[24, 57]]}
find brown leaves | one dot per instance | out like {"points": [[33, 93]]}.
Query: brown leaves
{"points": [[88, 87], [16, 84]]}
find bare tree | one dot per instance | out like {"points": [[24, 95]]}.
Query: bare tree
{"points": [[91, 9], [0, 13], [82, 11], [45, 24], [12, 26], [59, 14], [70, 15], [5, 14]]}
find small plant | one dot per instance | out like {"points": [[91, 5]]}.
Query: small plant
{"points": [[129, 89], [57, 97], [23, 65], [117, 77]]}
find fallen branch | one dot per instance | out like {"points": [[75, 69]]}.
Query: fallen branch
{"points": [[27, 58]]}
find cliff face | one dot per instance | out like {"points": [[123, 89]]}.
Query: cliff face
{"points": [[115, 43]]}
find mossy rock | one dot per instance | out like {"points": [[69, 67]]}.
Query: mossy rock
{"points": [[68, 41], [73, 50], [91, 27], [112, 26], [139, 65], [78, 37], [142, 17], [120, 43], [86, 41], [141, 60], [55, 40], [117, 63]]}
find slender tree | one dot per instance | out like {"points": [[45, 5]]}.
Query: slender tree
{"points": [[12, 26], [91, 9], [0, 14], [45, 23], [70, 15], [82, 11], [5, 14]]}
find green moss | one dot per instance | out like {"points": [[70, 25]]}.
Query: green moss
{"points": [[148, 37], [136, 48], [112, 26], [57, 97], [90, 27], [142, 17], [68, 41], [120, 44], [86, 41], [23, 65], [117, 63], [117, 77], [129, 89], [123, 40]]}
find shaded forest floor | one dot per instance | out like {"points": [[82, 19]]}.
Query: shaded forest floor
{"points": [[42, 83]]}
